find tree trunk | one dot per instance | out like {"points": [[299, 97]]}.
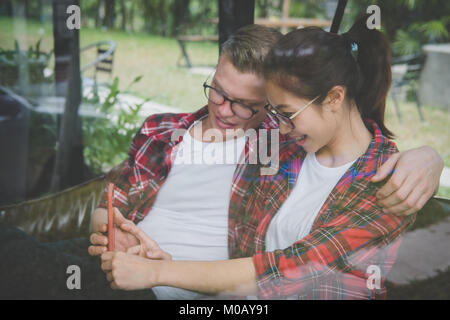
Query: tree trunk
{"points": [[110, 13], [98, 14], [147, 15], [263, 6], [234, 14], [27, 8], [41, 10], [286, 5], [181, 16], [123, 11], [8, 8], [162, 13], [131, 16]]}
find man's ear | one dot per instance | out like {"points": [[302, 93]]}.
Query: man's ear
{"points": [[335, 98]]}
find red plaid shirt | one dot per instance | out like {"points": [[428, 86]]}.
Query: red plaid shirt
{"points": [[348, 223], [350, 232]]}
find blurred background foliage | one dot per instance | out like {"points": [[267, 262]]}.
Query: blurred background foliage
{"points": [[408, 23], [107, 139], [145, 31], [11, 62]]}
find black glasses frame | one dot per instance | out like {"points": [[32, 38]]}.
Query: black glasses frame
{"points": [[225, 98]]}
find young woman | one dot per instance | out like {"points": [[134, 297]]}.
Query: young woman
{"points": [[313, 230]]}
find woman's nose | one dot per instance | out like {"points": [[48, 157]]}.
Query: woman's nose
{"points": [[284, 129]]}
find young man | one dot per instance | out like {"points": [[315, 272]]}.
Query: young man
{"points": [[185, 208]]}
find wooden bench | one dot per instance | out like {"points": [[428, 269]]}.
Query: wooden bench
{"points": [[182, 40]]}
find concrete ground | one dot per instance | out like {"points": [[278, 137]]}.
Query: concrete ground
{"points": [[124, 100], [445, 178]]}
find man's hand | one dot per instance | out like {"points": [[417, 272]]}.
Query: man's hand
{"points": [[123, 240], [148, 248], [129, 272], [414, 180]]}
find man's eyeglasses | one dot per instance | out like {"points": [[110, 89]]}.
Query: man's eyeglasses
{"points": [[217, 97], [284, 118]]}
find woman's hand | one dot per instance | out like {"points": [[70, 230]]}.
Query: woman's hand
{"points": [[147, 248], [129, 272]]}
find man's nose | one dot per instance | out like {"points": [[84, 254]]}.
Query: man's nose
{"points": [[225, 109]]}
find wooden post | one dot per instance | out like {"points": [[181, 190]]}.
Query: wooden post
{"points": [[234, 14], [286, 5]]}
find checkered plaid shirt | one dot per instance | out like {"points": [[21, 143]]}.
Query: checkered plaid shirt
{"points": [[351, 236], [349, 227]]}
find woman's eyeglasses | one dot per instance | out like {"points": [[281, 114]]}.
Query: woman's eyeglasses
{"points": [[284, 118]]}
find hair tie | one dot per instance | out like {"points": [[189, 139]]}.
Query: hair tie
{"points": [[353, 45]]}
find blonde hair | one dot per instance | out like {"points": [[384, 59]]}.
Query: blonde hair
{"points": [[248, 47]]}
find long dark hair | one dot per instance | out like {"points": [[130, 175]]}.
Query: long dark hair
{"points": [[309, 62]]}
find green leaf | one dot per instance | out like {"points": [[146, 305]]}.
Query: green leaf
{"points": [[405, 43], [433, 30]]}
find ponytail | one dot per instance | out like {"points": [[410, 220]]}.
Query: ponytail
{"points": [[374, 62], [309, 62]]}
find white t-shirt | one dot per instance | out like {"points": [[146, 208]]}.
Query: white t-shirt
{"points": [[297, 214], [189, 218]]}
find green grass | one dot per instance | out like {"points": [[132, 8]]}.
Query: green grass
{"points": [[137, 54], [156, 59], [412, 133], [444, 192]]}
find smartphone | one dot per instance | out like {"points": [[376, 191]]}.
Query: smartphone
{"points": [[110, 217]]}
